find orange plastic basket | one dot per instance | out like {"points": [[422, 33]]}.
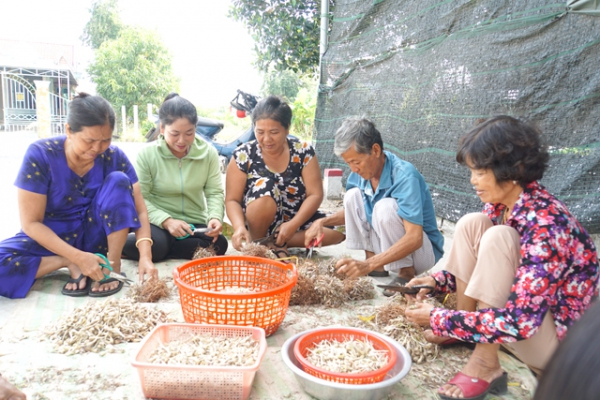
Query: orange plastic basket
{"points": [[201, 281], [312, 338], [166, 381]]}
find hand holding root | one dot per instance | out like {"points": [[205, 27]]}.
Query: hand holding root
{"points": [[285, 232], [352, 268], [419, 313], [146, 267], [240, 236]]}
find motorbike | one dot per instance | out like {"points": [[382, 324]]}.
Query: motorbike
{"points": [[208, 128]]}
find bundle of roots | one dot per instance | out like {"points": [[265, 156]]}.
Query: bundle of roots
{"points": [[257, 250], [318, 284], [151, 291], [204, 252], [390, 320]]}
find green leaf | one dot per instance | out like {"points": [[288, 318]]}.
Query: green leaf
{"points": [[133, 69]]}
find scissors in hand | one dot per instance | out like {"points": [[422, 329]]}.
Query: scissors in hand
{"points": [[270, 239], [406, 289], [112, 274], [194, 230], [313, 243]]}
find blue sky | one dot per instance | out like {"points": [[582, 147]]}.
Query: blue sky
{"points": [[212, 54]]}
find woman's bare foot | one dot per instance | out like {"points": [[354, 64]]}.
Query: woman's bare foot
{"points": [[9, 392], [54, 263], [75, 273], [279, 251], [476, 367], [432, 338], [103, 287]]}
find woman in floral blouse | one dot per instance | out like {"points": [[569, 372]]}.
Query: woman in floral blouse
{"points": [[274, 183], [524, 270]]}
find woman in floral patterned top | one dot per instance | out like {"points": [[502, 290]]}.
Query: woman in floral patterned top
{"points": [[524, 270], [274, 183]]}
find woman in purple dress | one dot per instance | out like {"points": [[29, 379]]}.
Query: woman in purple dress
{"points": [[78, 195]]}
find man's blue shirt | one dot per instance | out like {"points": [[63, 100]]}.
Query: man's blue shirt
{"points": [[401, 181]]}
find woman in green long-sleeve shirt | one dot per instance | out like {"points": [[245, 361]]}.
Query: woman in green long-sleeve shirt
{"points": [[181, 183]]}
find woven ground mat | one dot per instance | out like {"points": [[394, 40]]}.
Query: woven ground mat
{"points": [[27, 359]]}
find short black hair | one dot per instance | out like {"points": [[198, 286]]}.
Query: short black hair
{"points": [[174, 107], [275, 108], [510, 148], [87, 110]]}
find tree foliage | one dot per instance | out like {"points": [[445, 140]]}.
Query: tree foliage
{"points": [[133, 69], [284, 83], [104, 24], [304, 107], [286, 33]]}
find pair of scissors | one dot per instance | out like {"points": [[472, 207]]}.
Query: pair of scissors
{"points": [[406, 289], [313, 243], [112, 274], [271, 239], [194, 230]]}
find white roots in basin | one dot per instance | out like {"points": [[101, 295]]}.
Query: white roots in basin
{"points": [[209, 350], [350, 356]]}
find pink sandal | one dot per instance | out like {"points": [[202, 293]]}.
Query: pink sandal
{"points": [[454, 342], [475, 388]]}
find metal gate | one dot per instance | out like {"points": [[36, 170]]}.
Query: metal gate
{"points": [[58, 114], [18, 98]]}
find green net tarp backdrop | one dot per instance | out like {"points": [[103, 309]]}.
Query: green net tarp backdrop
{"points": [[425, 71]]}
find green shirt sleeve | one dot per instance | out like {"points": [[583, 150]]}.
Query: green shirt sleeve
{"points": [[142, 168], [213, 190]]}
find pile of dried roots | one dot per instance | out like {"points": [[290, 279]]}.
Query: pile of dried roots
{"points": [[249, 249], [98, 326], [151, 291], [389, 319], [257, 250], [318, 283], [207, 349], [204, 252]]}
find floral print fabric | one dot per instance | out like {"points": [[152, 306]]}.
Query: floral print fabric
{"points": [[286, 188], [558, 271]]}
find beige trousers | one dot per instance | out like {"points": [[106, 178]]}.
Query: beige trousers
{"points": [[387, 229], [486, 258]]}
